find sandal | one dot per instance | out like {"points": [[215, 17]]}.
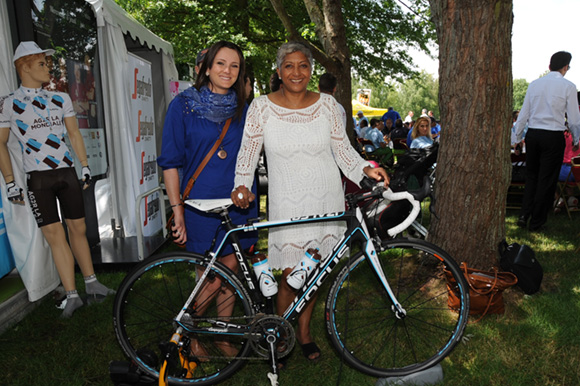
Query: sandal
{"points": [[309, 349], [282, 362]]}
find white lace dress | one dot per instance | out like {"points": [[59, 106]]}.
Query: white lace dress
{"points": [[304, 150]]}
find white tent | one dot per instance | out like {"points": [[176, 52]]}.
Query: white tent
{"points": [[117, 193]]}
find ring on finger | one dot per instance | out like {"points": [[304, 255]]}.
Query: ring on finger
{"points": [[241, 196]]}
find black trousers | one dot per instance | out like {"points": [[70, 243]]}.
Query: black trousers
{"points": [[544, 156]]}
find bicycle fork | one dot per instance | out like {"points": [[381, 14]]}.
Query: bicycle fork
{"points": [[372, 257]]}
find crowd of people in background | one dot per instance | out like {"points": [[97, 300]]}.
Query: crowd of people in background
{"points": [[397, 133]]}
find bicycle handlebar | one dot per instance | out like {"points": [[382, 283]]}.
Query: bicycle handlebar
{"points": [[392, 196], [414, 197]]}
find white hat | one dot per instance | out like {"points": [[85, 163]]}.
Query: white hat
{"points": [[30, 48]]}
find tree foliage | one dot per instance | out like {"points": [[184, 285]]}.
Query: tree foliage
{"points": [[520, 88], [414, 94], [191, 26], [378, 33]]}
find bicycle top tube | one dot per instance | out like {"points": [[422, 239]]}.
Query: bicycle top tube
{"points": [[414, 197]]}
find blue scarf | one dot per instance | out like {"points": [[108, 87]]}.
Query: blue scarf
{"points": [[213, 107]]}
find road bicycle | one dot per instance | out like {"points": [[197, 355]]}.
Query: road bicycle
{"points": [[190, 320]]}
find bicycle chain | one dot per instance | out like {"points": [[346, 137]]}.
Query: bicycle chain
{"points": [[187, 319]]}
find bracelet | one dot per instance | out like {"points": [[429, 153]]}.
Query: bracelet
{"points": [[180, 204]]}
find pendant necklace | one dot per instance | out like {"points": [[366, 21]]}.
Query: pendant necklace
{"points": [[222, 154]]}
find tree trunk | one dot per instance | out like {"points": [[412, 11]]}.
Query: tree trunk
{"points": [[334, 57], [475, 99]]}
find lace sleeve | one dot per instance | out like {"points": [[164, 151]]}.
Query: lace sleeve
{"points": [[345, 156], [251, 147]]}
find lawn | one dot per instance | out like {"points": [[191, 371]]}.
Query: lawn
{"points": [[536, 342]]}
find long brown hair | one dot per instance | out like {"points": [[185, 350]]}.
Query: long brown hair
{"points": [[238, 86], [415, 132]]}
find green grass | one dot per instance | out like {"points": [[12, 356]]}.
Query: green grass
{"points": [[10, 286], [536, 342]]}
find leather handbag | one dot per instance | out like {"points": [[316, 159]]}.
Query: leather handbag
{"points": [[485, 290], [197, 172], [521, 261]]}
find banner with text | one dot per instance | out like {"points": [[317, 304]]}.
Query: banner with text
{"points": [[145, 147]]}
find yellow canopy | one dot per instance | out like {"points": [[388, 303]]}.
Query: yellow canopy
{"points": [[367, 111]]}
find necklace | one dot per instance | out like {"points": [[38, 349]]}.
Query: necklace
{"points": [[222, 154]]}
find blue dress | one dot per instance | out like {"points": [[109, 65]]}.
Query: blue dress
{"points": [[187, 138]]}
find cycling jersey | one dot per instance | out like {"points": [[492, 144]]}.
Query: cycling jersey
{"points": [[36, 117]]}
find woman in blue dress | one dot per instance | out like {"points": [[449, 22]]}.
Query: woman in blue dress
{"points": [[194, 121]]}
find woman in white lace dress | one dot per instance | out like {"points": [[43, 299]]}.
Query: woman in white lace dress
{"points": [[305, 141]]}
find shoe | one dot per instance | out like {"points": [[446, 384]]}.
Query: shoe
{"points": [[537, 228], [282, 362], [522, 221], [309, 349]]}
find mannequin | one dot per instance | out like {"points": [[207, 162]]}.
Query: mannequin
{"points": [[39, 118]]}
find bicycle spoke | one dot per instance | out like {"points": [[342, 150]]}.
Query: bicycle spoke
{"points": [[363, 323], [151, 297]]}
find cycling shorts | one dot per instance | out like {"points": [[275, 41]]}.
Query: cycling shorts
{"points": [[45, 187]]}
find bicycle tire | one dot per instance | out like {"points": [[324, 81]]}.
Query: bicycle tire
{"points": [[151, 296], [365, 330]]}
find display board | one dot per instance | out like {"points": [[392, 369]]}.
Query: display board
{"points": [[142, 110]]}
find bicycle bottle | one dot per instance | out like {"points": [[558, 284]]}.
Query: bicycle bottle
{"points": [[298, 276], [268, 284]]}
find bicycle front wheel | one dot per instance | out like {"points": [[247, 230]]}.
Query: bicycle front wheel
{"points": [[362, 322], [151, 296]]}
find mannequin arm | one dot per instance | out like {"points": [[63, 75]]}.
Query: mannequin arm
{"points": [[76, 139], [5, 163]]}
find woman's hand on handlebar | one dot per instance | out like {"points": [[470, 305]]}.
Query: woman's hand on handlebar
{"points": [[378, 174], [242, 196]]}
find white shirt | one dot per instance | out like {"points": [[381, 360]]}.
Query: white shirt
{"points": [[547, 100]]}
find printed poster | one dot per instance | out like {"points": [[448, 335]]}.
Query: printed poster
{"points": [[142, 110]]}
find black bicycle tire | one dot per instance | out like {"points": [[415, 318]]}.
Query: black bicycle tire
{"points": [[156, 262], [352, 351]]}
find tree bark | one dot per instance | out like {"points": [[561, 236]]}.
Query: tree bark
{"points": [[334, 55], [475, 99]]}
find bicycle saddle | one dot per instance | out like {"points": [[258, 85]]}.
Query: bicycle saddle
{"points": [[210, 205]]}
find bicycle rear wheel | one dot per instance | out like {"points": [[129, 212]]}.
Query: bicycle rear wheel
{"points": [[363, 326], [151, 296]]}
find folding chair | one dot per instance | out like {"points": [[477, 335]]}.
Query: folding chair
{"points": [[399, 147], [362, 143], [515, 193], [572, 181]]}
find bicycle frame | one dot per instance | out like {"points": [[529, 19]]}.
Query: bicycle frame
{"points": [[356, 231]]}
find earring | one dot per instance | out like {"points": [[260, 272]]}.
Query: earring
{"points": [[207, 73]]}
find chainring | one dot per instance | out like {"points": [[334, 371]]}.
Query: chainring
{"points": [[272, 325]]}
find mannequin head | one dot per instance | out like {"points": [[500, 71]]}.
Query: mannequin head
{"points": [[31, 64], [33, 70]]}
